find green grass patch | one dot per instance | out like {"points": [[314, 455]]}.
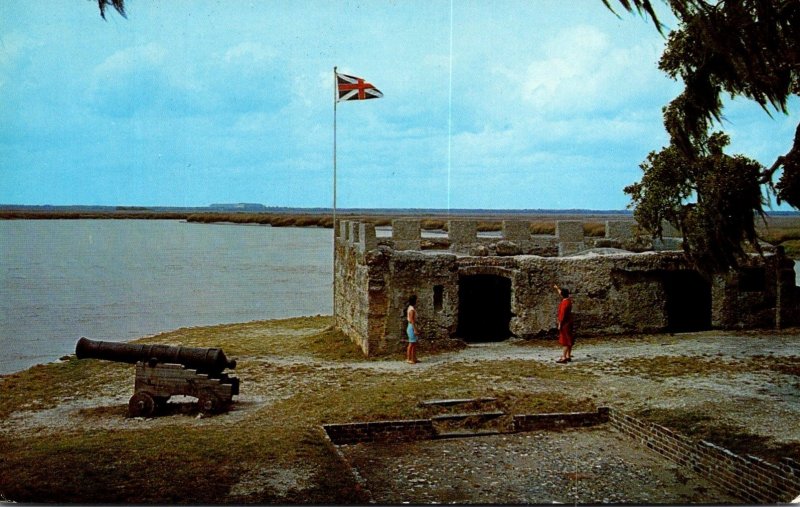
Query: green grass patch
{"points": [[184, 463], [661, 367], [303, 336], [43, 386], [172, 465]]}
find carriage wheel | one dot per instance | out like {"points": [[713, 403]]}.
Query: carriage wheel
{"points": [[141, 404], [209, 403]]}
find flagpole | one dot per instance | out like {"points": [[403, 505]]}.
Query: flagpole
{"points": [[335, 100]]}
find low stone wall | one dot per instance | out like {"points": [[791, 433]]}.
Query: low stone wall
{"points": [[531, 422], [751, 478], [381, 431]]}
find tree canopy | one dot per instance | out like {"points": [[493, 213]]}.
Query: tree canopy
{"points": [[119, 5], [744, 48]]}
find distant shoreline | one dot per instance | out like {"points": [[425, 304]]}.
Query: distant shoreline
{"points": [[489, 220]]}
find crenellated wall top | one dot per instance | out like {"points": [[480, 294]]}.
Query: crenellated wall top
{"points": [[463, 234]]}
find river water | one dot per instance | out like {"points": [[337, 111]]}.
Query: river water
{"points": [[122, 279]]}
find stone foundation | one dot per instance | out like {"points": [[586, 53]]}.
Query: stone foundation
{"points": [[750, 478], [747, 477]]}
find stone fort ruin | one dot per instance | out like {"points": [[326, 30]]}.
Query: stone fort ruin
{"points": [[476, 287]]}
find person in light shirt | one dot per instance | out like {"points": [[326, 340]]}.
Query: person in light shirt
{"points": [[411, 330]]}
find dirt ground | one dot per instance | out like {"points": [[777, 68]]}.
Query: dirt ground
{"points": [[585, 466], [749, 380]]}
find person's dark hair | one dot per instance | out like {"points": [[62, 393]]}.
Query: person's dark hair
{"points": [[564, 293], [412, 300]]}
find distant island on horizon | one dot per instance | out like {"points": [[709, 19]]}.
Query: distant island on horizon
{"points": [[261, 208]]}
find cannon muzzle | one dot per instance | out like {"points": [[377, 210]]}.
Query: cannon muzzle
{"points": [[206, 360]]}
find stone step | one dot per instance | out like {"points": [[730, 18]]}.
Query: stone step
{"points": [[454, 401], [477, 415]]}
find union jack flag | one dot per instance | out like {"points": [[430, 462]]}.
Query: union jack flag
{"points": [[354, 88]]}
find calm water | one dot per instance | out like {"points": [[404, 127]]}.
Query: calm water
{"points": [[122, 279]]}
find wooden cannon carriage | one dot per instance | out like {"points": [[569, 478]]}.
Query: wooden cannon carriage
{"points": [[163, 371]]}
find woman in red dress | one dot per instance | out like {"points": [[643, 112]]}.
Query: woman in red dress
{"points": [[566, 329]]}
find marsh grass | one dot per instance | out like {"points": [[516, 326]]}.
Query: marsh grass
{"points": [[781, 230], [784, 232], [543, 228]]}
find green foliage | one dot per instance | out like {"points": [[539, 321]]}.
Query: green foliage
{"points": [[710, 197], [119, 5], [748, 48]]}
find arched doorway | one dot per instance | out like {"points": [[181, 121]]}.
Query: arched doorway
{"points": [[688, 301], [484, 310]]}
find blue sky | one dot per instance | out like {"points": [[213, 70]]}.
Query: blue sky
{"points": [[523, 104]]}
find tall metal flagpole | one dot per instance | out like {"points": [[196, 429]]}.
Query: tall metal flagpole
{"points": [[335, 100]]}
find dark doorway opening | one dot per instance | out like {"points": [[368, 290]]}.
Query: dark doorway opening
{"points": [[484, 310], [688, 301]]}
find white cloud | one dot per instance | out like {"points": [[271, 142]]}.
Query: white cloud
{"points": [[250, 53], [581, 72], [130, 61], [139, 79]]}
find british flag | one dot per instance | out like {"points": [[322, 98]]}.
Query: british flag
{"points": [[354, 88]]}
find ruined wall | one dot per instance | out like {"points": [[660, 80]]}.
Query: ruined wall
{"points": [[761, 293], [612, 293], [434, 279], [360, 297]]}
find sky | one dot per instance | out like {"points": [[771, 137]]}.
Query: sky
{"points": [[512, 104]]}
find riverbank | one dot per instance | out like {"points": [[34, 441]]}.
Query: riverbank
{"points": [[65, 437]]}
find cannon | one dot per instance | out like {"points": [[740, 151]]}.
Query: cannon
{"points": [[163, 371]]}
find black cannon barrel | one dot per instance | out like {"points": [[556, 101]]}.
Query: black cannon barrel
{"points": [[208, 360]]}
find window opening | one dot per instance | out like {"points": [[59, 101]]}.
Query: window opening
{"points": [[438, 298]]}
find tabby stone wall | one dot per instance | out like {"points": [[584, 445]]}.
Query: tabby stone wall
{"points": [[616, 292]]}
